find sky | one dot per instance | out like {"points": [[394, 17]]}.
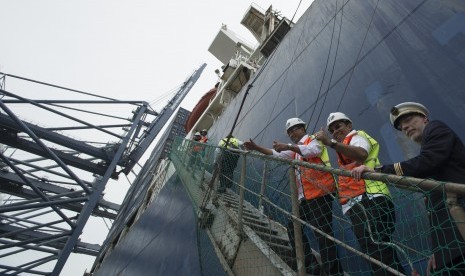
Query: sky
{"points": [[128, 50]]}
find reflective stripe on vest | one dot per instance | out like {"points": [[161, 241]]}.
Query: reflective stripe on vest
{"points": [[349, 187], [315, 183]]}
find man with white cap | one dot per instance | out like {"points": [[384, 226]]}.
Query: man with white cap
{"points": [[367, 203], [442, 158], [315, 191]]}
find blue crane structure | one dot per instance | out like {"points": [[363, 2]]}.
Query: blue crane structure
{"points": [[54, 168]]}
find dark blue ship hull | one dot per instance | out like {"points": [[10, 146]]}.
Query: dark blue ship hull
{"points": [[164, 241]]}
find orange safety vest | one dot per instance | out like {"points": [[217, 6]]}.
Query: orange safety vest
{"points": [[348, 187], [203, 139], [315, 183]]}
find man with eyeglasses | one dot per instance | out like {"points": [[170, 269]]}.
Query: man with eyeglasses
{"points": [[367, 203], [442, 158], [315, 191]]}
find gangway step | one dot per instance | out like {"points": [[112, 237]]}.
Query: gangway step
{"points": [[253, 220], [252, 214], [282, 250], [273, 239], [245, 207], [263, 229]]}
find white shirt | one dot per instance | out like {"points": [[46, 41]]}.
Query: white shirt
{"points": [[359, 141], [313, 149]]}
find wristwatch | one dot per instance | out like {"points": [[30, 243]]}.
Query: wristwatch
{"points": [[289, 146], [333, 143]]}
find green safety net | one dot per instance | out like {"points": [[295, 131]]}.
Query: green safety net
{"points": [[247, 205]]}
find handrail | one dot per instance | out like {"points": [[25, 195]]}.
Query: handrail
{"points": [[398, 181]]}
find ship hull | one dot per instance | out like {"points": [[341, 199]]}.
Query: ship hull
{"points": [[164, 240]]}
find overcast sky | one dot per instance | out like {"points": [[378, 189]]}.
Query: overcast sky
{"points": [[134, 50]]}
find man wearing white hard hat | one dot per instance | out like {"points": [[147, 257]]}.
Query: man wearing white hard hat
{"points": [[315, 190], [367, 203], [442, 158]]}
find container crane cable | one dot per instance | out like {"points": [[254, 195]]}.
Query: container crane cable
{"points": [[60, 87], [358, 55], [298, 6], [358, 60], [299, 54], [89, 112], [326, 67], [171, 93]]}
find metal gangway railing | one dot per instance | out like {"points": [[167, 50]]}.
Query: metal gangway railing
{"points": [[245, 198]]}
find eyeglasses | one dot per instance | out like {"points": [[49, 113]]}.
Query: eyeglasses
{"points": [[336, 126], [292, 129]]}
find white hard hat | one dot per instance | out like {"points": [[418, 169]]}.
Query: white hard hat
{"points": [[404, 109], [336, 116], [293, 122], [197, 134], [204, 130]]}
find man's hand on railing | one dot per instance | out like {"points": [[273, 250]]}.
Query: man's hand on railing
{"points": [[358, 171]]}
